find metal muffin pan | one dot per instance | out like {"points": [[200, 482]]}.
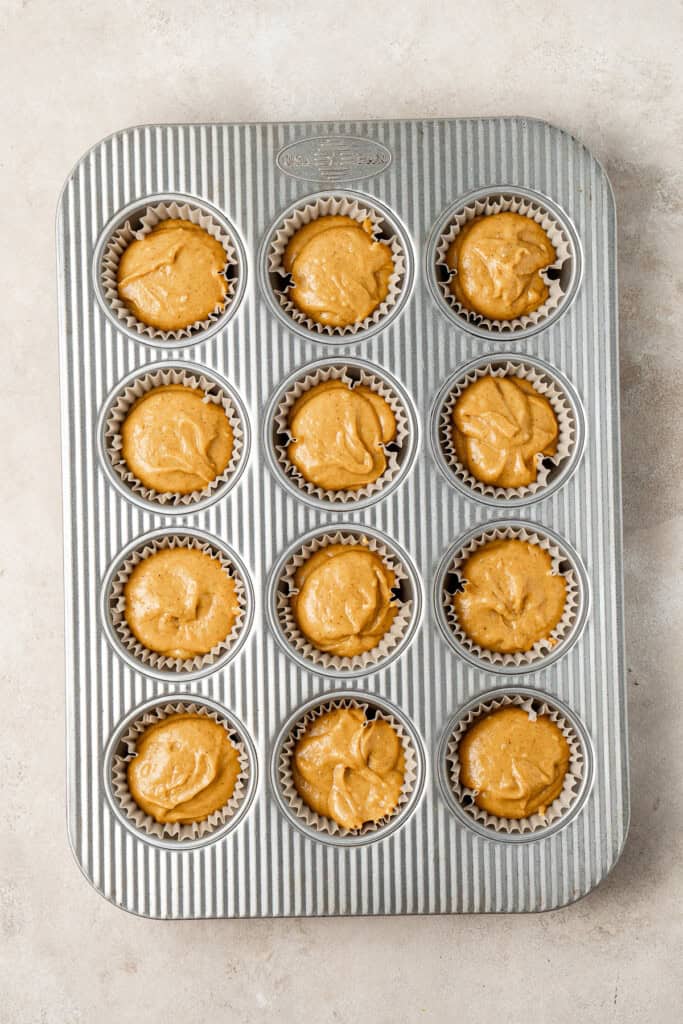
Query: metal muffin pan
{"points": [[415, 173]]}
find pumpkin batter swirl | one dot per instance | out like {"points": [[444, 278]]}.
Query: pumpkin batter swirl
{"points": [[173, 276], [339, 435], [180, 602], [516, 764], [175, 441], [497, 259], [344, 604], [349, 769], [500, 427], [185, 768], [340, 273], [511, 598]]}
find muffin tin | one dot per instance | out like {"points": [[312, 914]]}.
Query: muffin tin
{"points": [[432, 856]]}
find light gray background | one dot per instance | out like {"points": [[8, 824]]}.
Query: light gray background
{"points": [[71, 73]]}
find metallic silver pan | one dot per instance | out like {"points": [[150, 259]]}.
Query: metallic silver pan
{"points": [[415, 176]]}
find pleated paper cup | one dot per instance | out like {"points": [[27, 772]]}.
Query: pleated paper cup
{"points": [[125, 753], [162, 376], [547, 465], [507, 202], [299, 809], [563, 564], [535, 706], [136, 227], [396, 636], [351, 376], [341, 205], [152, 661]]}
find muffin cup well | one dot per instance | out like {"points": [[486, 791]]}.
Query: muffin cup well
{"points": [[295, 641], [528, 205], [125, 753], [141, 222], [574, 781], [310, 819], [351, 374], [115, 603], [564, 564], [546, 384], [358, 209], [130, 391]]}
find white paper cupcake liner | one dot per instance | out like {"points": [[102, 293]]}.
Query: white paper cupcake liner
{"points": [[342, 372], [117, 606], [137, 229], [542, 647], [303, 646], [345, 207], [126, 399], [301, 809], [535, 706], [546, 386], [499, 203], [127, 751]]}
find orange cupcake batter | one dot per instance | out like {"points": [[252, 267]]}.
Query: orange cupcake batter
{"points": [[511, 598], [175, 441], [185, 768], [516, 765], [180, 602], [498, 259], [340, 273], [344, 603], [173, 276], [339, 433], [349, 769], [500, 427]]}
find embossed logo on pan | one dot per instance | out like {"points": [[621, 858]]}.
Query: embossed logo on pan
{"points": [[333, 158]]}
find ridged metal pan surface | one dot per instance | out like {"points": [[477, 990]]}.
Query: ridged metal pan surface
{"points": [[433, 862]]}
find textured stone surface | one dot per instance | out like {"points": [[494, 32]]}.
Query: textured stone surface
{"points": [[73, 72]]}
